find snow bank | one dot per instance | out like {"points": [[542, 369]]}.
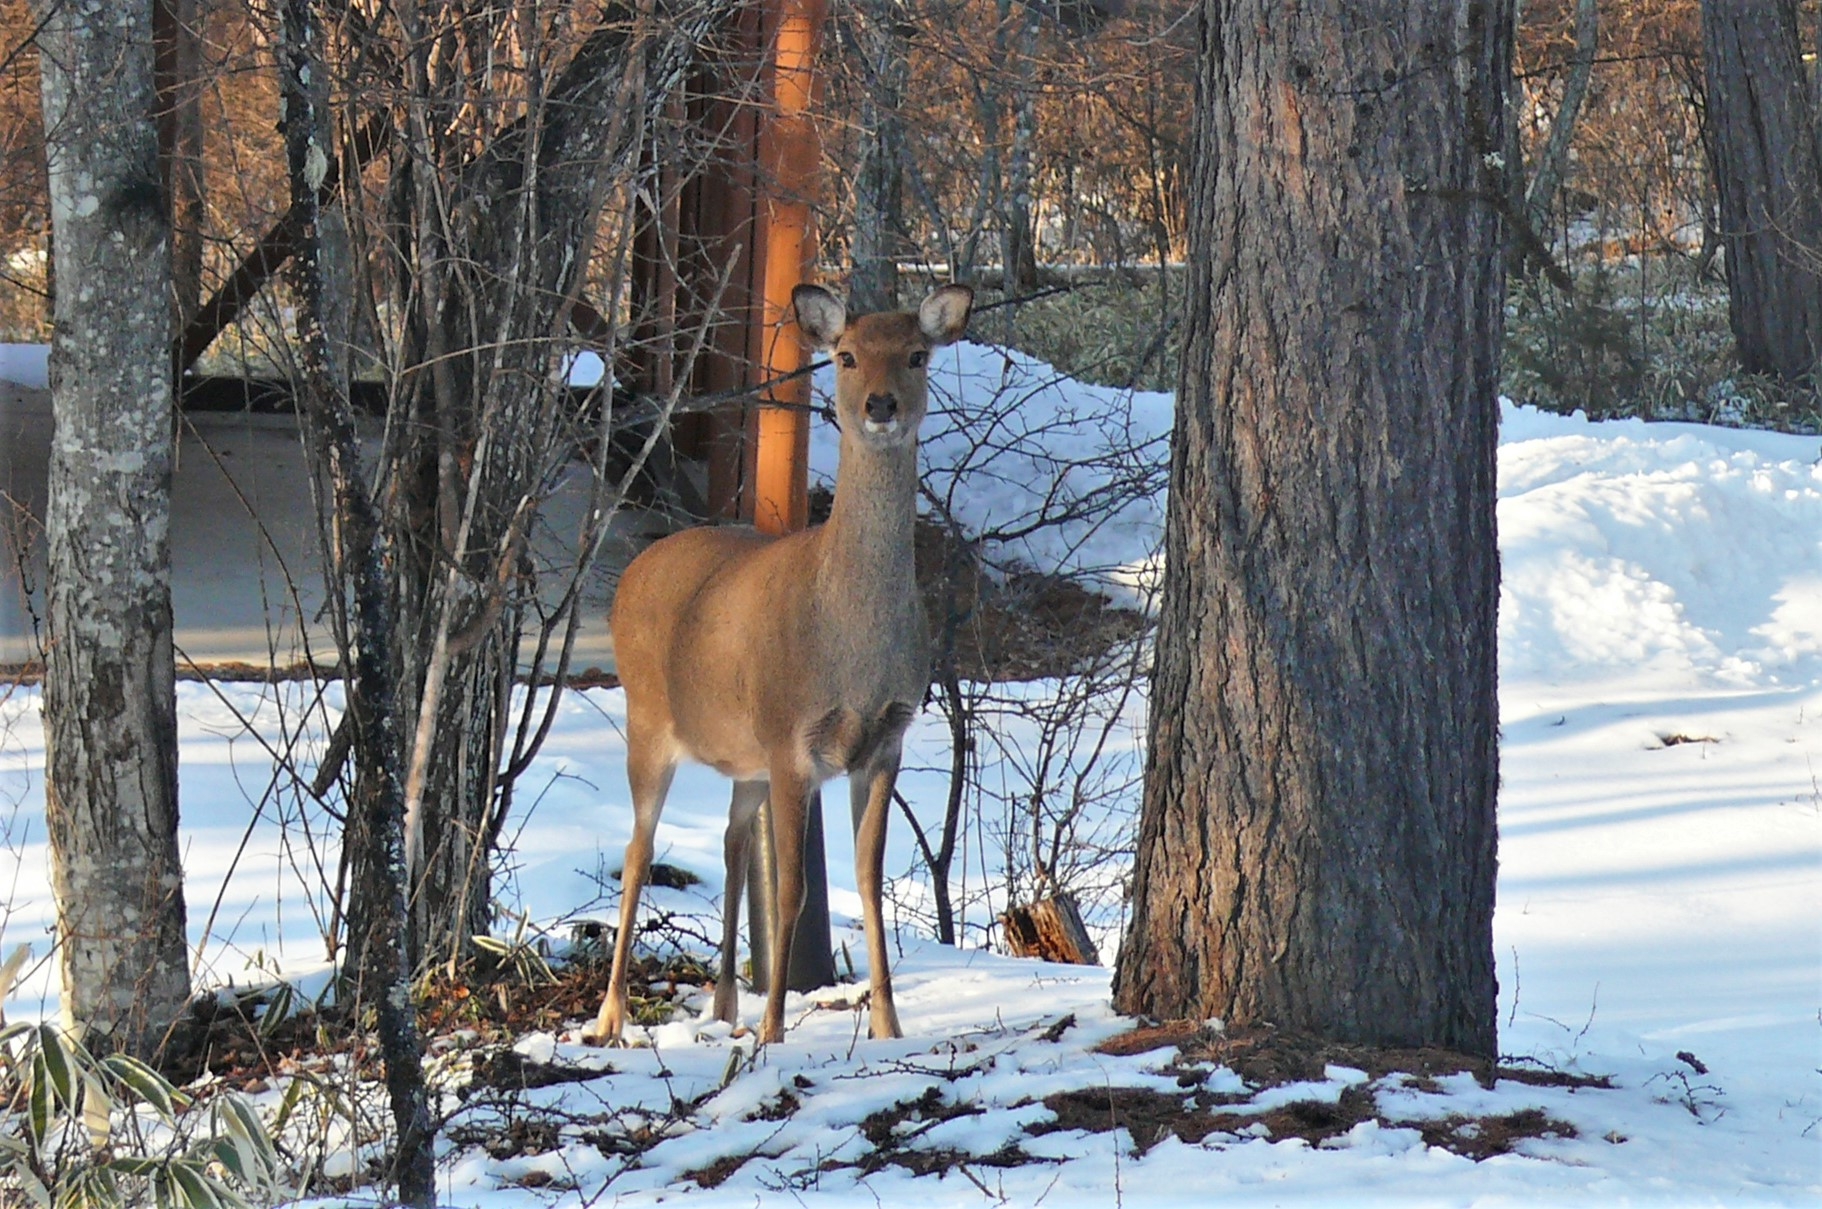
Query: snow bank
{"points": [[1660, 552]]}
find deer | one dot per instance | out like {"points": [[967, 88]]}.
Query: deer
{"points": [[785, 661]]}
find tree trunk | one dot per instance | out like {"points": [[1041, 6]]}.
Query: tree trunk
{"points": [[1018, 245], [109, 700], [493, 249], [177, 49], [1766, 141], [1554, 158], [376, 815], [879, 218], [1317, 842]]}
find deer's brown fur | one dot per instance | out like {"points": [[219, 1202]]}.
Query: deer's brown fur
{"points": [[783, 662]]}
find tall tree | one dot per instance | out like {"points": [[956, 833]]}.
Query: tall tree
{"points": [[376, 828], [1018, 244], [1765, 137], [877, 43], [1540, 195], [1317, 843], [110, 706], [484, 235]]}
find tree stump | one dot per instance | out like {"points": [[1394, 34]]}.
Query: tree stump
{"points": [[1050, 929]]}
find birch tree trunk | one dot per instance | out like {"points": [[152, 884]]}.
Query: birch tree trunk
{"points": [[1316, 846], [109, 698]]}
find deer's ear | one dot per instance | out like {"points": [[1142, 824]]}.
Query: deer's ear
{"points": [[944, 314], [820, 314]]}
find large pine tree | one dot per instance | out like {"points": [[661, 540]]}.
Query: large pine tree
{"points": [[1317, 847]]}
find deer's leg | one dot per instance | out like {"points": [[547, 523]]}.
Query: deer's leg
{"points": [[649, 769], [749, 796], [791, 794], [872, 805]]}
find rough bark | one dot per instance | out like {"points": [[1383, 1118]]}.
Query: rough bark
{"points": [[109, 697], [1049, 929], [377, 814], [1317, 842], [1766, 140]]}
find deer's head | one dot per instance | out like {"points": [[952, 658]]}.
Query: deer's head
{"points": [[882, 386]]}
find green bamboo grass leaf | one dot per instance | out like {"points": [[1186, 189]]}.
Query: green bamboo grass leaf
{"points": [[194, 1190], [16, 1165], [287, 1104], [250, 1138], [147, 1084], [278, 1010], [97, 1107], [229, 1156], [138, 1165], [38, 1109], [57, 1063]]}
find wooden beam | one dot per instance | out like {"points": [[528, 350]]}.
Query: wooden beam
{"points": [[788, 156]]}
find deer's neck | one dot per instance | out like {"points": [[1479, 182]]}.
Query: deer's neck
{"points": [[868, 537]]}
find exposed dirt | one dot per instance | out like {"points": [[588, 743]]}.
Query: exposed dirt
{"points": [[245, 1042], [1150, 1116], [1265, 1057], [524, 1135], [1483, 1137], [499, 1000], [893, 1130], [495, 1000], [509, 1070], [234, 1043], [716, 1174]]}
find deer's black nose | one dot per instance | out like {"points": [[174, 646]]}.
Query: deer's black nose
{"points": [[881, 408]]}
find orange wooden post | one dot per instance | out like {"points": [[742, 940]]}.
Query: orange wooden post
{"points": [[788, 154], [777, 485]]}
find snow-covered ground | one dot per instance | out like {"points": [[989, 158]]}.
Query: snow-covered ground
{"points": [[1660, 888]]}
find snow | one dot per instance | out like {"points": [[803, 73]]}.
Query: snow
{"points": [[1048, 472], [26, 364], [1660, 877]]}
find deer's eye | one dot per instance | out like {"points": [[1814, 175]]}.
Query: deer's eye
{"points": [[919, 358], [846, 359]]}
